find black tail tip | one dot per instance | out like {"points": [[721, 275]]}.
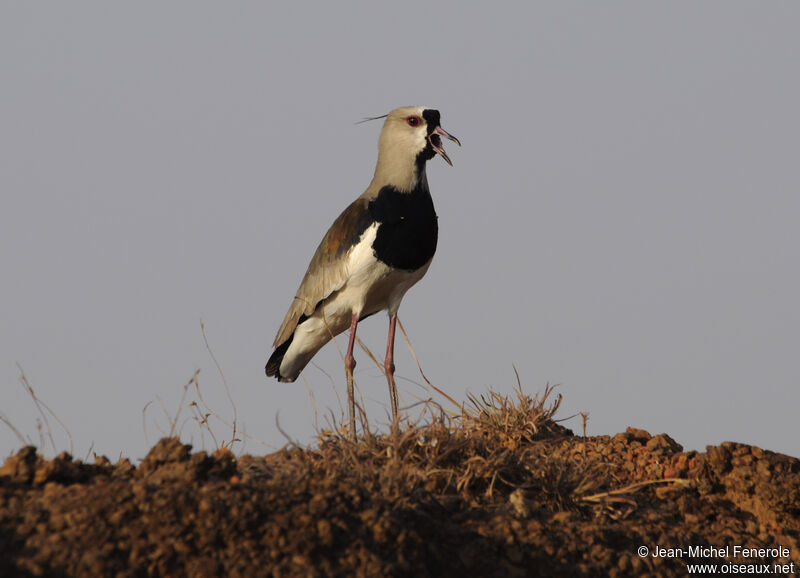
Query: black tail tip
{"points": [[273, 367]]}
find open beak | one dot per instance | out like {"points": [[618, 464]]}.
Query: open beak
{"points": [[436, 142]]}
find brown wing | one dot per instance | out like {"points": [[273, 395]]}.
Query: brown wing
{"points": [[327, 271]]}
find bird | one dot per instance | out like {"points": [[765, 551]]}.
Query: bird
{"points": [[372, 254]]}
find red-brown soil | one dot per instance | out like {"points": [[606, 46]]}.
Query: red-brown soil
{"points": [[502, 490]]}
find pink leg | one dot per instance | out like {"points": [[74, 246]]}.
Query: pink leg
{"points": [[388, 365], [349, 366]]}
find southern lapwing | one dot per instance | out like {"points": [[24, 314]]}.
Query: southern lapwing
{"points": [[379, 247]]}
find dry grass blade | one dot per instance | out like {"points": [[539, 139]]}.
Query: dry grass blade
{"points": [[41, 407], [632, 488], [174, 421], [144, 422], [224, 381], [371, 355], [422, 373], [20, 437]]}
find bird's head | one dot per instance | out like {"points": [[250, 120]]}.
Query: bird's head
{"points": [[411, 135], [414, 130]]}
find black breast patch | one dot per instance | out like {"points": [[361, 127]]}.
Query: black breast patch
{"points": [[408, 229]]}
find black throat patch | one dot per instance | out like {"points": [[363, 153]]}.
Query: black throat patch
{"points": [[431, 117]]}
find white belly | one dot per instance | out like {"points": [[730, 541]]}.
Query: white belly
{"points": [[371, 286]]}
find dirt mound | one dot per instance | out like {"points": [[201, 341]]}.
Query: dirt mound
{"points": [[498, 491]]}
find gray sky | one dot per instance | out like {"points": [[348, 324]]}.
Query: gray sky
{"points": [[621, 219]]}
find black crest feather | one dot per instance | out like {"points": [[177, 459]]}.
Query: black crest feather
{"points": [[369, 118]]}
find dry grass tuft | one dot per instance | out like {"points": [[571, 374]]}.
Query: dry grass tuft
{"points": [[483, 453], [513, 422]]}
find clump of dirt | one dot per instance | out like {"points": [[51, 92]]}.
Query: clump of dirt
{"points": [[500, 490]]}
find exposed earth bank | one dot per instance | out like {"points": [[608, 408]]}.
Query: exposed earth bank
{"points": [[501, 490]]}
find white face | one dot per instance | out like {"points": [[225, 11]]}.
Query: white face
{"points": [[404, 136], [405, 130]]}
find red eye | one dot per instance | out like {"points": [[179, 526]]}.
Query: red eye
{"points": [[413, 121]]}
